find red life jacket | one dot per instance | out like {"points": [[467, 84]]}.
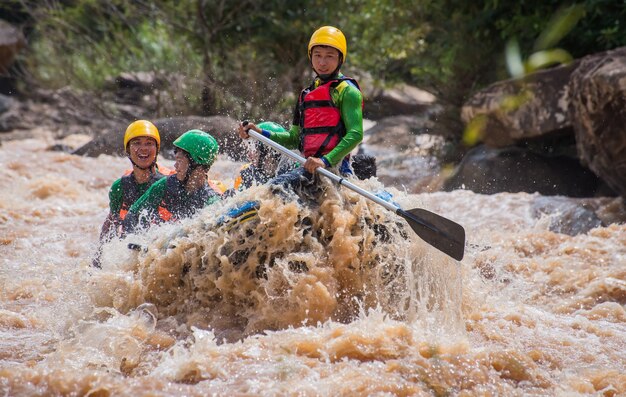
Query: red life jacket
{"points": [[320, 119]]}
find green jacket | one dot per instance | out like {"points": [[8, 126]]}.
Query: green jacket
{"points": [[116, 194]]}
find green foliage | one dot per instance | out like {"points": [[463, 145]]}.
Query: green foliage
{"points": [[453, 47], [248, 58], [148, 46], [563, 21], [109, 40], [230, 53], [256, 53]]}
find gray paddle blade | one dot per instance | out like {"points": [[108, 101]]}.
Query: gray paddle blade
{"points": [[442, 233]]}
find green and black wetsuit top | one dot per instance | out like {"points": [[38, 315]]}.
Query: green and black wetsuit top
{"points": [[167, 200]]}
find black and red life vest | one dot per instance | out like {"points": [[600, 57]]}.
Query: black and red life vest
{"points": [[177, 203], [130, 191], [320, 119]]}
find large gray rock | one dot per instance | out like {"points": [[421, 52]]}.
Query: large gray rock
{"points": [[401, 99], [567, 215], [408, 156], [11, 41], [132, 87], [11, 115], [6, 103], [598, 112], [518, 109], [574, 216], [513, 169], [221, 127], [397, 133]]}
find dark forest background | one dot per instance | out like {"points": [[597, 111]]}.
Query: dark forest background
{"points": [[249, 57]]}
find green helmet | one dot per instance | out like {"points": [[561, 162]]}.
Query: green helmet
{"points": [[202, 147], [271, 126]]}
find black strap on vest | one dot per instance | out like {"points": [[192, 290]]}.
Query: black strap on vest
{"points": [[340, 130], [181, 204], [130, 188], [317, 104]]}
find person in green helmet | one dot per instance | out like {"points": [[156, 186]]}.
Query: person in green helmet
{"points": [[184, 193], [263, 163]]}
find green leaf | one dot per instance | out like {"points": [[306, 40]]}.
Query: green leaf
{"points": [[559, 26], [513, 56], [543, 59]]}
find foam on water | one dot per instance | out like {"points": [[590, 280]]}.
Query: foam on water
{"points": [[527, 312]]}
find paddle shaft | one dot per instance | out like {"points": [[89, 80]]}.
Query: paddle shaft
{"points": [[339, 180], [323, 171], [442, 233]]}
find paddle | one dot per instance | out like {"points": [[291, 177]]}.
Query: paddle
{"points": [[442, 233]]}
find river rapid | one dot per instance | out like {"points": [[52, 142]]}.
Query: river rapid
{"points": [[339, 307]]}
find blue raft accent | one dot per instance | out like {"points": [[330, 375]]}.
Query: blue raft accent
{"points": [[385, 195], [239, 214]]}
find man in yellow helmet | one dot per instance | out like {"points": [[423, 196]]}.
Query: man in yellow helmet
{"points": [[141, 144], [328, 118]]}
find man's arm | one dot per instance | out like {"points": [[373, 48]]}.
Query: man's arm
{"points": [[109, 228], [289, 139], [112, 221]]}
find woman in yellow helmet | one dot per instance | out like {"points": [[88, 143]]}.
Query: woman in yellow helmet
{"points": [[141, 144], [328, 118]]}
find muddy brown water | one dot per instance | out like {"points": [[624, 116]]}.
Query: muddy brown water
{"points": [[527, 311]]}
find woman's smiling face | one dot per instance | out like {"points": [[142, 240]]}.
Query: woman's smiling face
{"points": [[143, 151]]}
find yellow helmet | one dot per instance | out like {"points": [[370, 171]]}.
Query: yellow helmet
{"points": [[141, 128], [331, 37]]}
